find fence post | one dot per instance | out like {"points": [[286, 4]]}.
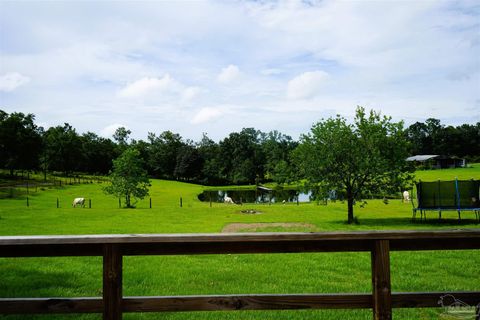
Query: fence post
{"points": [[89, 203], [181, 202], [381, 287], [58, 204], [112, 282], [28, 204], [119, 203]]}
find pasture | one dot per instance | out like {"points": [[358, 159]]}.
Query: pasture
{"points": [[227, 274]]}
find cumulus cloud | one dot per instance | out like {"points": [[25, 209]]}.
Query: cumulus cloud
{"points": [[306, 85], [12, 80], [206, 114], [228, 74], [113, 67], [109, 130], [149, 85]]}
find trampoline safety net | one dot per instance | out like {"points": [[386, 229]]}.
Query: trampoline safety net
{"points": [[456, 194]]}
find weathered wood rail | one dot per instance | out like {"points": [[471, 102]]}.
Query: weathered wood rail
{"points": [[113, 247]]}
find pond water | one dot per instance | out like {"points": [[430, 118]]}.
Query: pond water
{"points": [[257, 196]]}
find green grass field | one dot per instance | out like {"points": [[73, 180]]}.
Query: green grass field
{"points": [[227, 274]]}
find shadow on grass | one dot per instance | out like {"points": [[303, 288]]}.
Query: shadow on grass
{"points": [[407, 222], [36, 283]]}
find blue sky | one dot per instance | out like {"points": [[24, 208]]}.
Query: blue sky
{"points": [[216, 67]]}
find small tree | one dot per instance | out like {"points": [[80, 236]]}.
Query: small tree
{"points": [[367, 156], [128, 177]]}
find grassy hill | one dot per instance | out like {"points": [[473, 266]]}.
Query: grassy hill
{"points": [[208, 274], [471, 172]]}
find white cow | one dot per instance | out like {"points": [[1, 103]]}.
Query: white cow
{"points": [[78, 201], [406, 196], [227, 199]]}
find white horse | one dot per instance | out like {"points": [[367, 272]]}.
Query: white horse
{"points": [[406, 196], [227, 199], [78, 202]]}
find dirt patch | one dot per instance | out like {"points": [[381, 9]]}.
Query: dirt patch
{"points": [[265, 226], [251, 211]]}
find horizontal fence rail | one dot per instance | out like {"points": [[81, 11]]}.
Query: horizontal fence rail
{"points": [[113, 247]]}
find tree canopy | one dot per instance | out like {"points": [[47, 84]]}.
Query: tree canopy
{"points": [[128, 178], [245, 157], [365, 157]]}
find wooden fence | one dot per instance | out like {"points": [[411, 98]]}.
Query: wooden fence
{"points": [[114, 247]]}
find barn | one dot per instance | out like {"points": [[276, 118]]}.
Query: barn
{"points": [[438, 161]]}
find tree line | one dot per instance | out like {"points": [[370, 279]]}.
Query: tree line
{"points": [[249, 156]]}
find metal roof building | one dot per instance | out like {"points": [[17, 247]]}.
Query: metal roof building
{"points": [[437, 161]]}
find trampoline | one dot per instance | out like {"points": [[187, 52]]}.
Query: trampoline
{"points": [[454, 195]]}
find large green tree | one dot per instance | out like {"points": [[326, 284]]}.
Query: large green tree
{"points": [[242, 157], [163, 153], [277, 148], [367, 156], [128, 178], [20, 141], [61, 149], [96, 153]]}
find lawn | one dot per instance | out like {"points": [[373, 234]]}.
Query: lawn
{"points": [[226, 274]]}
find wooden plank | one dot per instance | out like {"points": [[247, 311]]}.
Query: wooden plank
{"points": [[170, 248], [432, 299], [245, 247], [236, 243], [230, 302], [382, 299], [50, 305], [435, 244], [241, 237], [112, 282], [247, 302], [51, 250]]}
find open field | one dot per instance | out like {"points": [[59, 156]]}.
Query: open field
{"points": [[208, 274], [471, 172]]}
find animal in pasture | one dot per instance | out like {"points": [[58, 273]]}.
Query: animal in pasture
{"points": [[406, 196], [78, 202], [227, 199]]}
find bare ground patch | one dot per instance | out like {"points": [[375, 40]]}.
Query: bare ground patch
{"points": [[269, 226]]}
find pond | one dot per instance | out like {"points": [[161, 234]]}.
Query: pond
{"points": [[257, 196]]}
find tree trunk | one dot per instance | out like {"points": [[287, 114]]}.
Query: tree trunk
{"points": [[127, 200], [350, 200]]}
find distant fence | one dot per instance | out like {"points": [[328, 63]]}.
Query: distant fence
{"points": [[26, 186], [114, 247]]}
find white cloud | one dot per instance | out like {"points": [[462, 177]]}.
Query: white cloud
{"points": [[228, 74], [206, 114], [94, 67], [190, 93], [109, 130], [149, 85], [306, 85], [12, 80]]}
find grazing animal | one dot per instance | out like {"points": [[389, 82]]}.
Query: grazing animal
{"points": [[227, 199], [406, 196], [78, 202]]}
